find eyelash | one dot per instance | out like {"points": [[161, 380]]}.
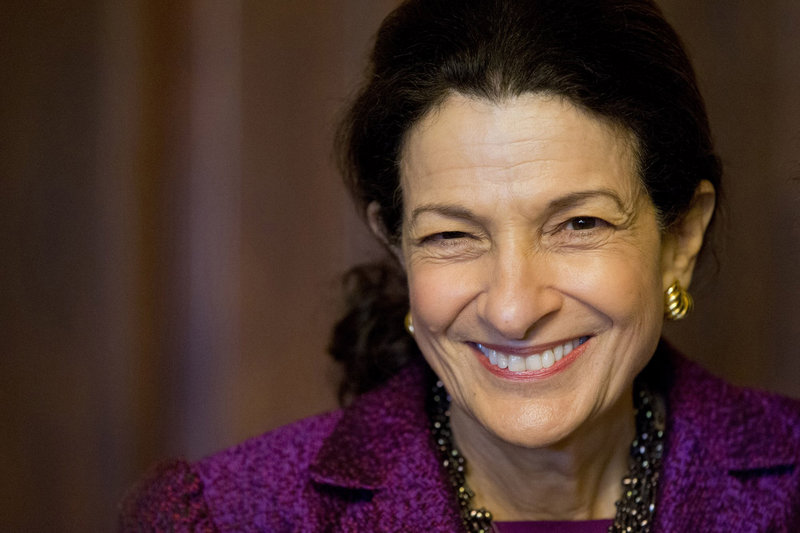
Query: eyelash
{"points": [[596, 223], [454, 238], [444, 236]]}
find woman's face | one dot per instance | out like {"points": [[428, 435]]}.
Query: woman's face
{"points": [[535, 263]]}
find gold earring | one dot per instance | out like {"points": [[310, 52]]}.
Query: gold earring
{"points": [[677, 302], [409, 324]]}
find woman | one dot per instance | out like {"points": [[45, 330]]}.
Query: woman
{"points": [[543, 176]]}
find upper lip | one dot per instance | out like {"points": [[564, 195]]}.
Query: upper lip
{"points": [[525, 351]]}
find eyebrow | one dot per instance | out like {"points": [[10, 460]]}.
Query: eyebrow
{"points": [[446, 210], [558, 204], [575, 198]]}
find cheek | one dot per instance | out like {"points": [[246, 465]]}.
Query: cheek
{"points": [[438, 294], [624, 287]]}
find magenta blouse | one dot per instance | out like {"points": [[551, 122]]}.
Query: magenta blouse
{"points": [[578, 526]]}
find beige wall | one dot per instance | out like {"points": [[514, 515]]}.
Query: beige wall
{"points": [[173, 228]]}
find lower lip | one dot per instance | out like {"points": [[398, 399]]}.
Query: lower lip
{"points": [[532, 375]]}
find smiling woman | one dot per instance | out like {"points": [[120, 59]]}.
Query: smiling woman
{"points": [[542, 175], [503, 263], [536, 270]]}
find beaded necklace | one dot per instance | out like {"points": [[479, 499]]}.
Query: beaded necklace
{"points": [[635, 508]]}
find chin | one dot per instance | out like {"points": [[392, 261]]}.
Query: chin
{"points": [[541, 426]]}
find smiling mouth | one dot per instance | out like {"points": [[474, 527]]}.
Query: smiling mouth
{"points": [[537, 361]]}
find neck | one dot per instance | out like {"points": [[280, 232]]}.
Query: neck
{"points": [[578, 478]]}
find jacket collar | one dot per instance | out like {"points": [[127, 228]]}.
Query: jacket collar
{"points": [[717, 436], [381, 452], [732, 454], [736, 429], [725, 425], [379, 434]]}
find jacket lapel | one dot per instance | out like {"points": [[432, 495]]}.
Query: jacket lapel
{"points": [[732, 459], [380, 457], [732, 456]]}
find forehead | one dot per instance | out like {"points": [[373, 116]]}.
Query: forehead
{"points": [[526, 144]]}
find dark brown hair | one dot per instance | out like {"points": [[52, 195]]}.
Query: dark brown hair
{"points": [[616, 59]]}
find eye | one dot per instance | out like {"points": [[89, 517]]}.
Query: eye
{"points": [[584, 223], [447, 235]]}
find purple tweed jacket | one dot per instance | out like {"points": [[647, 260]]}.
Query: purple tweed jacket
{"points": [[732, 465]]}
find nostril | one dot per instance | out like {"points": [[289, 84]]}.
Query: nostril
{"points": [[515, 315]]}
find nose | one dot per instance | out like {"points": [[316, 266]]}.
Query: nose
{"points": [[519, 292]]}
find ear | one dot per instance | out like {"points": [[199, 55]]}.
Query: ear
{"points": [[378, 229], [682, 242]]}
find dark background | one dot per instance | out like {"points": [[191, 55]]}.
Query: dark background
{"points": [[172, 227]]}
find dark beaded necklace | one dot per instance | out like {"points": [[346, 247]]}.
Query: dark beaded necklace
{"points": [[635, 508]]}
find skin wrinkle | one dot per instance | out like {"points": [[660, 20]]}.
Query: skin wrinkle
{"points": [[627, 139], [566, 202], [556, 475], [628, 216], [519, 277]]}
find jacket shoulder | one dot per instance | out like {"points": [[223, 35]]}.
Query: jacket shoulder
{"points": [[250, 486], [169, 498], [736, 424], [243, 488], [732, 455]]}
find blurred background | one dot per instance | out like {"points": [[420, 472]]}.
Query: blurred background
{"points": [[172, 228]]}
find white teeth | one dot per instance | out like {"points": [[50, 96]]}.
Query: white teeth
{"points": [[517, 363], [533, 362], [558, 352], [502, 361]]}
